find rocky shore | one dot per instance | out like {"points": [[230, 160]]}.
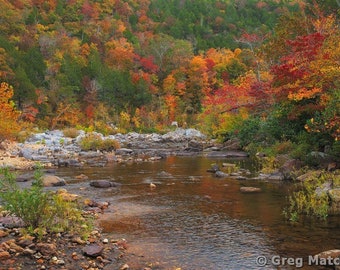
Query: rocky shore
{"points": [[57, 251], [54, 149]]}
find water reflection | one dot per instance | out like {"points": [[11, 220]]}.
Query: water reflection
{"points": [[194, 220]]}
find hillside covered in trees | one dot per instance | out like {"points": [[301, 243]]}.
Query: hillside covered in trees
{"points": [[265, 71]]}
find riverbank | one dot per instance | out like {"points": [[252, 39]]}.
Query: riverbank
{"points": [[53, 149]]}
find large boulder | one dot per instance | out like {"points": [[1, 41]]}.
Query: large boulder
{"points": [[52, 181], [288, 168], [328, 258], [180, 135]]}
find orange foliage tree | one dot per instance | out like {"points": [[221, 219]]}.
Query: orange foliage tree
{"points": [[307, 79], [9, 125]]}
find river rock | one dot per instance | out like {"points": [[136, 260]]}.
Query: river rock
{"points": [[195, 146], [11, 222], [250, 189], [221, 174], [332, 166], [53, 181], [214, 168], [181, 134], [25, 241], [125, 267], [4, 255], [124, 151], [331, 256], [3, 233], [310, 174], [103, 184], [82, 177], [25, 177], [165, 174], [68, 162], [276, 176], [46, 249], [26, 153], [324, 188], [232, 144], [66, 196], [93, 250], [17, 248], [229, 165], [227, 154], [288, 168]]}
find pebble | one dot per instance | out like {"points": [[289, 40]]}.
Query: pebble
{"points": [[105, 241], [28, 251], [3, 233], [60, 262], [78, 240], [125, 267], [4, 255], [152, 185]]}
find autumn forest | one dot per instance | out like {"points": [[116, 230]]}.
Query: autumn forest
{"points": [[267, 72]]}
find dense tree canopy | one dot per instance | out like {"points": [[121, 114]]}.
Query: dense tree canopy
{"points": [[143, 64]]}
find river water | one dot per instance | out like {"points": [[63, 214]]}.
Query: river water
{"points": [[193, 220]]}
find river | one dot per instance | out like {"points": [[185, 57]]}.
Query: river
{"points": [[193, 220]]}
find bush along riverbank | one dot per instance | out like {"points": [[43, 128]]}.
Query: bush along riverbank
{"points": [[52, 230], [316, 186]]}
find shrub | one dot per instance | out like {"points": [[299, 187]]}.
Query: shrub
{"points": [[309, 199], [109, 145], [93, 141], [104, 128], [71, 132], [42, 211], [28, 204], [283, 147]]}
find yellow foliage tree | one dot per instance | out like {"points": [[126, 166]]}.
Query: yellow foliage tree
{"points": [[9, 125]]}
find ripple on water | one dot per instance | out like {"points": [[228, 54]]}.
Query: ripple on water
{"points": [[200, 242]]}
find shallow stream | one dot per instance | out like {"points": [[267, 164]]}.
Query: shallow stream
{"points": [[193, 220]]}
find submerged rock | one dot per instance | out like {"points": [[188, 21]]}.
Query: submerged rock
{"points": [[103, 184], [214, 168], [227, 154], [250, 189]]}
